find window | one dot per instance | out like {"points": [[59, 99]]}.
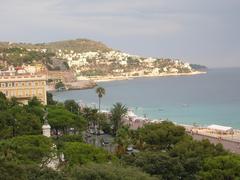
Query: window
{"points": [[20, 92], [2, 85], [27, 92], [39, 91]]}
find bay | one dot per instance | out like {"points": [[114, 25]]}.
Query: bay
{"points": [[212, 98]]}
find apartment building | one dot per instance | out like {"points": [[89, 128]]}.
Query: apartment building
{"points": [[24, 87]]}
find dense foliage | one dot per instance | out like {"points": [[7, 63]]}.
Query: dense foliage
{"points": [[108, 172], [162, 151], [17, 56], [81, 153], [26, 149], [117, 113], [167, 152]]}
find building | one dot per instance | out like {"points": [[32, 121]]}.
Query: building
{"points": [[220, 129], [40, 68], [24, 87], [9, 71]]}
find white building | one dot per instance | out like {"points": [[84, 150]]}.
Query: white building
{"points": [[220, 129]]}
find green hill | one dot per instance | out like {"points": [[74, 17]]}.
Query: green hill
{"points": [[19, 53], [78, 45]]}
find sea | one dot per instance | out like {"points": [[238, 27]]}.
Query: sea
{"points": [[204, 99]]}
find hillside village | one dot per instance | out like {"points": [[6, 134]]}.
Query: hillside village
{"points": [[115, 63], [79, 61]]}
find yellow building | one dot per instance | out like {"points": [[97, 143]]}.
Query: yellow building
{"points": [[24, 87], [40, 68]]}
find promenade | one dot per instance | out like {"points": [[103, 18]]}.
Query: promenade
{"points": [[230, 145]]}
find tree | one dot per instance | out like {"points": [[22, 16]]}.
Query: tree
{"points": [[161, 136], [26, 149], [27, 124], [117, 113], [193, 153], [157, 163], [81, 153], [50, 100], [91, 115], [3, 102], [6, 125], [108, 172], [100, 92], [123, 140], [221, 167], [34, 102], [59, 85], [60, 119], [72, 106], [36, 110], [13, 102], [104, 123], [17, 121]]}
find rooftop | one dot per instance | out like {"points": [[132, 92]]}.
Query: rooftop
{"points": [[24, 77]]}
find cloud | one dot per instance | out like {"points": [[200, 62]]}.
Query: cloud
{"points": [[112, 18], [202, 30]]}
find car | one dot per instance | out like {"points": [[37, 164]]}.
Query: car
{"points": [[88, 135], [98, 132], [105, 141], [91, 131], [129, 149], [101, 132]]}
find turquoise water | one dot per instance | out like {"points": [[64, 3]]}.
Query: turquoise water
{"points": [[212, 98]]}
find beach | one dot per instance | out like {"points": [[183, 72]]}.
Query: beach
{"points": [[232, 146], [205, 99]]}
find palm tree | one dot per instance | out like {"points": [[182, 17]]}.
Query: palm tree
{"points": [[91, 116], [100, 92], [117, 113], [123, 140]]}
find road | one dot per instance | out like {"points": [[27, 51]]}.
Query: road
{"points": [[98, 140]]}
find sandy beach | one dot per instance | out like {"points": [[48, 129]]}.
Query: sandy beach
{"points": [[230, 142], [229, 145]]}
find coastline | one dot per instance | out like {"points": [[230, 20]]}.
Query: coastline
{"points": [[90, 83], [120, 78]]}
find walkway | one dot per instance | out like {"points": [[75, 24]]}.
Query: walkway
{"points": [[232, 146]]}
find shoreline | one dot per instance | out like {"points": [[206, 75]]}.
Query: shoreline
{"points": [[120, 78], [90, 83]]}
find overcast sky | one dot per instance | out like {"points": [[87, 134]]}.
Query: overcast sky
{"points": [[197, 31]]}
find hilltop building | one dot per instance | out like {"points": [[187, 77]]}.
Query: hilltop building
{"points": [[24, 87]]}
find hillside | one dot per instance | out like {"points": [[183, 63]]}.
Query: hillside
{"points": [[78, 45], [18, 53], [91, 59]]}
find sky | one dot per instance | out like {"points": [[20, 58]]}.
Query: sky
{"points": [[196, 31]]}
